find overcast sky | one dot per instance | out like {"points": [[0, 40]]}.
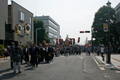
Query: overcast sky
{"points": [[72, 15]]}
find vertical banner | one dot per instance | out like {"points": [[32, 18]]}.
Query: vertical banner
{"points": [[73, 39], [60, 41], [56, 41], [70, 41], [78, 39]]}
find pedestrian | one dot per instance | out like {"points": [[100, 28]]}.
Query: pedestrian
{"points": [[16, 58], [26, 54], [41, 54], [89, 50], [48, 54], [98, 51], [11, 51], [102, 51], [34, 55], [22, 55], [5, 53]]}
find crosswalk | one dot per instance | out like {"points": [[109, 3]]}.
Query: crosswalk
{"points": [[2, 60]]}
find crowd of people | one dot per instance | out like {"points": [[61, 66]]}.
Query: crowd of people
{"points": [[33, 54]]}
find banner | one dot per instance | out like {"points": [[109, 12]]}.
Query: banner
{"points": [[78, 39], [56, 41], [70, 40], [27, 29], [18, 29], [61, 41]]}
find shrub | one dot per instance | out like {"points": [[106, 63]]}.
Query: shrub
{"points": [[1, 49]]}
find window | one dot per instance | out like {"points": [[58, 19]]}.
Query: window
{"points": [[30, 27], [22, 16], [53, 29], [22, 31]]}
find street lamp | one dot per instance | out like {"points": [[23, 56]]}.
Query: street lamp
{"points": [[108, 54], [36, 34]]}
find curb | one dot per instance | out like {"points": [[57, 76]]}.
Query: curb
{"points": [[99, 61], [2, 58], [111, 66]]}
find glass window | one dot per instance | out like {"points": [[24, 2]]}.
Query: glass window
{"points": [[52, 29], [22, 16], [30, 27], [22, 31]]}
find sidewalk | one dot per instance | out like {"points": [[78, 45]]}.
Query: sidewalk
{"points": [[115, 60], [1, 59]]}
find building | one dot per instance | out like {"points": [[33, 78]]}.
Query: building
{"points": [[18, 15], [52, 28], [3, 19], [117, 12]]}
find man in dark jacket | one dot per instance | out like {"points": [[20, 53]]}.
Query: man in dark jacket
{"points": [[34, 53], [11, 51], [41, 55], [26, 54], [16, 58]]}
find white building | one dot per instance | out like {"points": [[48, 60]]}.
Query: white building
{"points": [[52, 28]]}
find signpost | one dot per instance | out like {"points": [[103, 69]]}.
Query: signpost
{"points": [[105, 27]]}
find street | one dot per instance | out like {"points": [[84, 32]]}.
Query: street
{"points": [[74, 67]]}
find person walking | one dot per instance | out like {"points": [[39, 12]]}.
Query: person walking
{"points": [[41, 55], [34, 54], [11, 51], [5, 53], [16, 58], [26, 54], [102, 51]]}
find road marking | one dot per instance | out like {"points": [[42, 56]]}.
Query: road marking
{"points": [[117, 71], [101, 68], [80, 57], [3, 61], [11, 71], [116, 59], [106, 75]]}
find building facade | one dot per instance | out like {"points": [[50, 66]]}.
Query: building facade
{"points": [[52, 28], [3, 19], [117, 12], [18, 15]]}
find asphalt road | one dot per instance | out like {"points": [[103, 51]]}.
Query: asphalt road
{"points": [[75, 67]]}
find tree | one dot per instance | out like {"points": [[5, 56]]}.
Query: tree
{"points": [[101, 17], [41, 34]]}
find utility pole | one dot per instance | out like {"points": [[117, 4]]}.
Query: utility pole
{"points": [[108, 54]]}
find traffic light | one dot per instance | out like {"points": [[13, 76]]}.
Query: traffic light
{"points": [[81, 31], [87, 31]]}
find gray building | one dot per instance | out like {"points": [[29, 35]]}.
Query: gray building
{"points": [[52, 28], [117, 12], [3, 19], [19, 15]]}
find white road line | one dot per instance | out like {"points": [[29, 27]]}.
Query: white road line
{"points": [[80, 57], [105, 76], [11, 71], [84, 66], [101, 68], [117, 71], [3, 61]]}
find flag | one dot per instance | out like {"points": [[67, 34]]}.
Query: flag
{"points": [[56, 41], [78, 39]]}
